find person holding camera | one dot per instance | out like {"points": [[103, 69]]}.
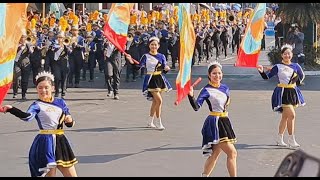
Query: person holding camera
{"points": [[295, 38]]}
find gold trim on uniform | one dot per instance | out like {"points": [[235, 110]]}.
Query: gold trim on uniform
{"points": [[214, 84], [51, 131], [220, 114], [67, 163], [48, 100], [226, 139], [286, 85], [154, 73], [157, 89]]}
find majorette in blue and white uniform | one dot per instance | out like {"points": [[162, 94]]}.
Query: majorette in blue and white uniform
{"points": [[286, 93], [217, 127], [154, 80], [50, 147]]}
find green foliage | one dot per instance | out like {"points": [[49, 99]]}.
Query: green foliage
{"points": [[312, 57], [274, 56], [300, 13]]}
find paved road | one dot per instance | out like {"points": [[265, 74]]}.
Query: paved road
{"points": [[110, 137]]}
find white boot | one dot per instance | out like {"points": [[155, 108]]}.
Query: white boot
{"points": [[159, 124], [150, 122], [292, 142], [204, 175], [280, 141]]}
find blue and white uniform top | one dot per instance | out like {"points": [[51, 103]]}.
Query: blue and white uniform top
{"points": [[152, 62], [285, 72], [47, 114], [216, 97]]}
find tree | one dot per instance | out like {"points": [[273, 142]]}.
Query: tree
{"points": [[300, 13]]}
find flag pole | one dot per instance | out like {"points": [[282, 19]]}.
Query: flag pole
{"points": [[44, 10], [193, 85]]}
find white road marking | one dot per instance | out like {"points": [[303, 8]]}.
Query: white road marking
{"points": [[228, 58]]}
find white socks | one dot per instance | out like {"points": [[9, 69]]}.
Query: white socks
{"points": [[159, 124], [292, 142], [150, 122], [280, 141]]}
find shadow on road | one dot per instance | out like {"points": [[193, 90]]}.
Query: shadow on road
{"points": [[102, 158], [163, 148], [111, 157], [112, 129], [259, 146]]}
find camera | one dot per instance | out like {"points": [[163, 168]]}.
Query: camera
{"points": [[299, 164]]}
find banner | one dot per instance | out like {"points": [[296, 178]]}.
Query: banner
{"points": [[250, 46], [13, 20], [116, 28], [187, 43]]}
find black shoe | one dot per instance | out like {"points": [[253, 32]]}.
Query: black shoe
{"points": [[56, 95], [91, 80], [63, 96], [77, 86]]}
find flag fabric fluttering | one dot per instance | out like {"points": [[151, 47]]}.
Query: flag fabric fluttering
{"points": [[250, 46], [13, 20], [187, 43], [116, 28]]}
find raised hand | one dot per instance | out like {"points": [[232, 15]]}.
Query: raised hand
{"points": [[260, 68], [166, 68], [129, 58], [5, 108], [191, 93]]}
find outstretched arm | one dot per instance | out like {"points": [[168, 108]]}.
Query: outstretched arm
{"points": [[15, 111], [193, 103], [270, 71]]}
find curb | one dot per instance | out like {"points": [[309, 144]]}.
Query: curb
{"points": [[312, 73]]}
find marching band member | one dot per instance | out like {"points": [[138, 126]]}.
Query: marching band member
{"points": [[22, 66], [90, 59], [36, 58], [174, 45], [99, 40], [112, 69], [132, 48], [59, 62], [76, 57]]}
